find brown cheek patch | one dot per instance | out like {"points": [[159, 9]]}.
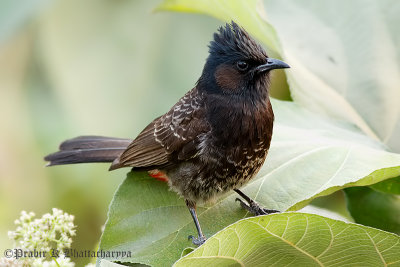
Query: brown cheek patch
{"points": [[227, 77]]}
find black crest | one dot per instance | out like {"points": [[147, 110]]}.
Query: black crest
{"points": [[234, 40]]}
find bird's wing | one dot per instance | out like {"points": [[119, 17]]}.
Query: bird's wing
{"points": [[169, 138]]}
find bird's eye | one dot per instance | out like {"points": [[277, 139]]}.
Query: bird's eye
{"points": [[242, 65]]}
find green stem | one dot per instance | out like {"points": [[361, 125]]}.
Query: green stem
{"points": [[55, 261]]}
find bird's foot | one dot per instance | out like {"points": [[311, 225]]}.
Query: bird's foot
{"points": [[197, 241], [255, 208]]}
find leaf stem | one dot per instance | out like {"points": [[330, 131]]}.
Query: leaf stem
{"points": [[58, 265]]}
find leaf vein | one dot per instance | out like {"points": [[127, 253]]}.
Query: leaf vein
{"points": [[289, 243]]}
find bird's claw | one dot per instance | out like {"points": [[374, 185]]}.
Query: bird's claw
{"points": [[197, 241], [254, 208]]}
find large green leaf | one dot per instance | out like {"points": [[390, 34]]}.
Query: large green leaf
{"points": [[309, 157], [249, 13], [391, 186], [296, 239], [106, 263], [345, 59], [373, 208]]}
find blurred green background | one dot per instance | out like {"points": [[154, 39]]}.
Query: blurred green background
{"points": [[69, 67]]}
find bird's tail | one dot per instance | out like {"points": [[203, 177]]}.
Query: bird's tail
{"points": [[85, 149]]}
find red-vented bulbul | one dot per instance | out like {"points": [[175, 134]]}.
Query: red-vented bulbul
{"points": [[214, 139]]}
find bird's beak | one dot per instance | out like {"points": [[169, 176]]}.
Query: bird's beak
{"points": [[271, 64]]}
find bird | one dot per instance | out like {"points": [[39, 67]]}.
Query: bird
{"points": [[213, 140]]}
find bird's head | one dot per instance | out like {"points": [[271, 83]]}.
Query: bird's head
{"points": [[236, 64]]}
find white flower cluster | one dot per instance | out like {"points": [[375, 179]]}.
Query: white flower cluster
{"points": [[9, 262], [61, 262], [52, 231]]}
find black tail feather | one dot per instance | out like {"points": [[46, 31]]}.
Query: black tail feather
{"points": [[85, 149]]}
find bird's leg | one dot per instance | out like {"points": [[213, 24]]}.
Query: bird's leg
{"points": [[201, 238], [252, 206]]}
